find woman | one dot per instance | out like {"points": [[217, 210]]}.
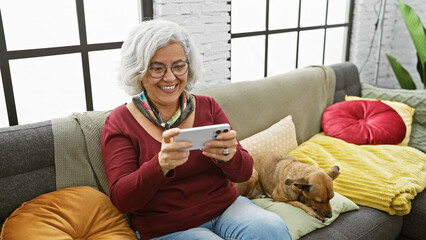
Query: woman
{"points": [[171, 193]]}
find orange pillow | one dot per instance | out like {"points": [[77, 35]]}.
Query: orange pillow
{"points": [[70, 213]]}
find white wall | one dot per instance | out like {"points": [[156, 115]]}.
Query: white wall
{"points": [[396, 41], [209, 23]]}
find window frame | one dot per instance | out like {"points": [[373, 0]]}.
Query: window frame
{"points": [[298, 29], [84, 48]]}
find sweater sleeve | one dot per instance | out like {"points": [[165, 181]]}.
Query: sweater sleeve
{"points": [[240, 167], [130, 186]]}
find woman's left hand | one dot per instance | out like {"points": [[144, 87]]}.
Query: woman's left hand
{"points": [[223, 147]]}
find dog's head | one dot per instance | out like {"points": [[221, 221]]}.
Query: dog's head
{"points": [[317, 190]]}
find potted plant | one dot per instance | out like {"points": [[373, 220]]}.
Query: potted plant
{"points": [[418, 35]]}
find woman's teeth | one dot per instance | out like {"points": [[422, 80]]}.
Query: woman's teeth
{"points": [[168, 87]]}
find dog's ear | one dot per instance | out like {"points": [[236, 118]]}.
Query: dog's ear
{"points": [[300, 183], [334, 172]]}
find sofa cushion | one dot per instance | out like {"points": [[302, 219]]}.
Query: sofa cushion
{"points": [[70, 213], [406, 112], [347, 81], [363, 122], [298, 221], [414, 223], [280, 138], [364, 224], [413, 98]]}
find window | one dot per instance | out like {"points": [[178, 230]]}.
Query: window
{"points": [[60, 57], [270, 37]]}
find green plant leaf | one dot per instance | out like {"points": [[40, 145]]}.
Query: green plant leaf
{"points": [[416, 30], [421, 68], [402, 75]]}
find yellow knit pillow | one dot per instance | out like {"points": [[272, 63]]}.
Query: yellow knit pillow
{"points": [[406, 112], [280, 138], [70, 213], [386, 176]]}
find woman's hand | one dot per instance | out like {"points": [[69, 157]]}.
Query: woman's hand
{"points": [[171, 155], [223, 148]]}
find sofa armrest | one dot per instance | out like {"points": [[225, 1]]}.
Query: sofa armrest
{"points": [[26, 164]]}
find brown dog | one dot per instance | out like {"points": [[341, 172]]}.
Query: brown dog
{"points": [[291, 181]]}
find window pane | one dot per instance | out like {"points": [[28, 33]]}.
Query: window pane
{"points": [[310, 47], [4, 120], [248, 15], [32, 24], [247, 58], [48, 87], [110, 20], [283, 14], [281, 53], [312, 13], [107, 94], [335, 45], [338, 11]]}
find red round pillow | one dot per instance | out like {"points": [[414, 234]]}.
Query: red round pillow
{"points": [[363, 122]]}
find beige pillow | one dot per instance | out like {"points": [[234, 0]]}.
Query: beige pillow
{"points": [[280, 138], [406, 112]]}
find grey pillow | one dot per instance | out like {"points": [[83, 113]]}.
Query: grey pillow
{"points": [[415, 99]]}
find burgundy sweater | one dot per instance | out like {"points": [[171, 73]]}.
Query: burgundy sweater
{"points": [[190, 195]]}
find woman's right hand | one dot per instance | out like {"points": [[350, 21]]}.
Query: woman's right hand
{"points": [[171, 155]]}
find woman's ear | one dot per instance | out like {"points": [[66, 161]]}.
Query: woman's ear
{"points": [[142, 79]]}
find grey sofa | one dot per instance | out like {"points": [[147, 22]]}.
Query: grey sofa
{"points": [[27, 152]]}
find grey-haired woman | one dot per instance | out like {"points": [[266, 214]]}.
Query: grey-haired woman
{"points": [[171, 193]]}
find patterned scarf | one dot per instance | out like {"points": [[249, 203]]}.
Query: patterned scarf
{"points": [[148, 109]]}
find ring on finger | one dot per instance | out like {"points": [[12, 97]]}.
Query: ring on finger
{"points": [[225, 152]]}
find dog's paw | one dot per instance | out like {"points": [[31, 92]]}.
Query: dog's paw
{"points": [[259, 196]]}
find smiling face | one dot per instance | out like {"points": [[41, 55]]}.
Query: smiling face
{"points": [[164, 92]]}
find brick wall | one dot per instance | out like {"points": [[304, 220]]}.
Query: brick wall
{"points": [[396, 41], [209, 23]]}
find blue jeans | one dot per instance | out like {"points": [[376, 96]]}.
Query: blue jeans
{"points": [[243, 220]]}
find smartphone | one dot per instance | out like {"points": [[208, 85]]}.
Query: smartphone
{"points": [[200, 135]]}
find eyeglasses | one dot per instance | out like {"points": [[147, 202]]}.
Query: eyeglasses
{"points": [[158, 70]]}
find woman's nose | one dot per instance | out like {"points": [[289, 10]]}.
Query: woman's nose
{"points": [[169, 76]]}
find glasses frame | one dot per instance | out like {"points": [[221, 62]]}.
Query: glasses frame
{"points": [[167, 67]]}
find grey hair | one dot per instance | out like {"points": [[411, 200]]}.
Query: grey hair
{"points": [[141, 45]]}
